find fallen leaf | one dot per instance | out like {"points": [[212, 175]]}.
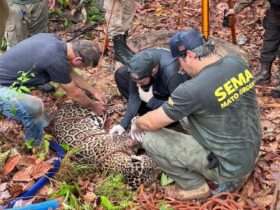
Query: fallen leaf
{"points": [[4, 195], [23, 175], [28, 160], [11, 164], [264, 201], [15, 189], [40, 169], [89, 197], [3, 186]]}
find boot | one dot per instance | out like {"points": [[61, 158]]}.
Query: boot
{"points": [[174, 191], [263, 76], [122, 52]]}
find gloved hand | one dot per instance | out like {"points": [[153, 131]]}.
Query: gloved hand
{"points": [[135, 132], [145, 96], [117, 130]]}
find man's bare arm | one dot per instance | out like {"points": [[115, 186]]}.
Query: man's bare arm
{"points": [[83, 84], [153, 120], [78, 95]]}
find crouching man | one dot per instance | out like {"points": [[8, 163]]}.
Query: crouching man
{"points": [[219, 107], [37, 61]]}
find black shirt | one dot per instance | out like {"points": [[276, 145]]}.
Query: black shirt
{"points": [[43, 55], [165, 81]]}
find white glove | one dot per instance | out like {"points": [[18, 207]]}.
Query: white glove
{"points": [[135, 132], [117, 130], [145, 96]]}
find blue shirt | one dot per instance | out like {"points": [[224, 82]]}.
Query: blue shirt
{"points": [[44, 55]]}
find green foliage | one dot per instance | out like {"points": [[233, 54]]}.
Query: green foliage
{"points": [[69, 169], [66, 147], [43, 150], [165, 206], [13, 110], [3, 44], [20, 84], [68, 192], [94, 14], [64, 3], [114, 193], [165, 180], [29, 144]]}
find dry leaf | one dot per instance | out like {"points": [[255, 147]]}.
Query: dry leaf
{"points": [[89, 197], [28, 160], [15, 189], [3, 186], [11, 164], [23, 175], [264, 201], [40, 169]]}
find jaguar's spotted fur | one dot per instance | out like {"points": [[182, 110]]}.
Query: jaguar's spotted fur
{"points": [[79, 127]]}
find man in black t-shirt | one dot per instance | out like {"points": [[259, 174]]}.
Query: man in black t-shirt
{"points": [[219, 107], [151, 77], [36, 61]]}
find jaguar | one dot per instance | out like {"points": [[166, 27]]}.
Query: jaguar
{"points": [[81, 128]]}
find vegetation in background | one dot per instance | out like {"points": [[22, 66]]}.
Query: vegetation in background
{"points": [[114, 193], [3, 44], [70, 194], [20, 84]]}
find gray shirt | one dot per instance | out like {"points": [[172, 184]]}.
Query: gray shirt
{"points": [[221, 107]]}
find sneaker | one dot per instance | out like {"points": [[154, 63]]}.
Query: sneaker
{"points": [[178, 193]]}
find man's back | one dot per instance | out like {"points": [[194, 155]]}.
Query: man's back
{"points": [[42, 54], [222, 111]]}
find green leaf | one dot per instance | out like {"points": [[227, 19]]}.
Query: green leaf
{"points": [[24, 89], [106, 203], [13, 110], [165, 180], [29, 144], [66, 147]]}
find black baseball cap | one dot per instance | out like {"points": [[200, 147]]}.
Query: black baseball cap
{"points": [[185, 40], [142, 64]]}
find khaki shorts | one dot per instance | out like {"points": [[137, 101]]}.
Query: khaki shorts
{"points": [[119, 15], [26, 20]]}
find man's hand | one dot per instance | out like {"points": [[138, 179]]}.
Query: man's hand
{"points": [[51, 4], [98, 108], [135, 132], [145, 96], [117, 130], [99, 96]]}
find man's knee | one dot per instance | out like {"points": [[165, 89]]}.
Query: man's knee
{"points": [[150, 142], [33, 105], [122, 80]]}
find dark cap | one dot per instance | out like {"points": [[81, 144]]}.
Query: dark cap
{"points": [[185, 40], [142, 64]]}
